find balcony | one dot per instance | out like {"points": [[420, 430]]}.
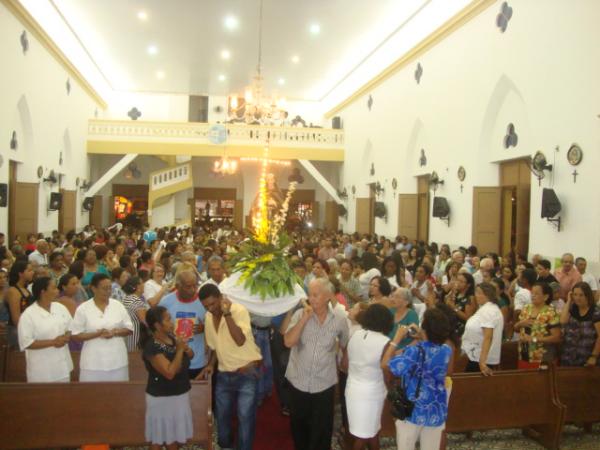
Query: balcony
{"points": [[176, 138]]}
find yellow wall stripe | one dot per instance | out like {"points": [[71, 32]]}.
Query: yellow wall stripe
{"points": [[185, 148]]}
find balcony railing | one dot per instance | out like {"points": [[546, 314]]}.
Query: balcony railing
{"points": [[198, 133], [170, 176]]}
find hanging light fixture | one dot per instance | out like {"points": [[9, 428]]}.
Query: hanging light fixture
{"points": [[225, 166], [255, 107]]}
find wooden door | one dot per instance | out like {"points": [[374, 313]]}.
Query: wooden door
{"points": [[26, 209], [331, 215], [408, 210], [97, 212], [516, 175], [66, 214], [423, 208], [238, 214], [12, 189], [363, 215], [486, 219], [508, 219]]}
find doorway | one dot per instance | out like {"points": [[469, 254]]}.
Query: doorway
{"points": [[515, 181], [12, 190], [423, 208]]}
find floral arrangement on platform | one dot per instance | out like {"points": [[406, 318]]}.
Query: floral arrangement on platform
{"points": [[261, 260]]}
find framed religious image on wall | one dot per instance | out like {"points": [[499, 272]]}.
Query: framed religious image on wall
{"points": [[574, 155]]}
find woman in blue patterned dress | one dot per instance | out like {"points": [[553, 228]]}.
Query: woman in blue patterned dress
{"points": [[428, 362]]}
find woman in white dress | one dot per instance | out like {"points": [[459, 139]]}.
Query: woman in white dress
{"points": [[156, 287], [365, 388], [101, 323], [43, 335]]}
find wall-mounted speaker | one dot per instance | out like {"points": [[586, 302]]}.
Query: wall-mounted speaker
{"points": [[55, 201], [88, 204], [336, 123], [550, 204], [3, 195], [441, 208]]}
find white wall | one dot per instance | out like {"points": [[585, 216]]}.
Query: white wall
{"points": [[539, 75], [34, 103]]}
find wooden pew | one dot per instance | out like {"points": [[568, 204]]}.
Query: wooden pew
{"points": [[525, 399], [49, 415], [15, 367], [579, 390]]}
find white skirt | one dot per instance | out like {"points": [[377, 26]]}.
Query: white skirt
{"points": [[120, 374], [364, 412], [169, 419]]}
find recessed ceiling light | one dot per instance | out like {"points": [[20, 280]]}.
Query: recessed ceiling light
{"points": [[315, 28], [222, 77], [225, 54], [160, 74], [152, 49], [295, 59], [231, 22], [142, 15], [281, 81]]}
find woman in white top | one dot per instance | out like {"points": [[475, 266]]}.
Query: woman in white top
{"points": [[421, 287], [482, 338], [156, 287], [101, 323], [44, 335], [365, 388]]}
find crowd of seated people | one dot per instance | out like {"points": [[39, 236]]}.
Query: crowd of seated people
{"points": [[375, 310]]}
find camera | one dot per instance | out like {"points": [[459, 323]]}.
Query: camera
{"points": [[413, 332]]}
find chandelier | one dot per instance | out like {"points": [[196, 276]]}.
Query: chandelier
{"points": [[225, 166], [255, 108]]}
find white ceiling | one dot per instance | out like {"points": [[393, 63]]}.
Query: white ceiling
{"points": [[190, 35]]}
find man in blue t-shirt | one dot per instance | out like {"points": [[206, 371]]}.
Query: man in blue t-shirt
{"points": [[188, 314]]}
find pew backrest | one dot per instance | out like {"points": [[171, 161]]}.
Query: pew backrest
{"points": [[50, 415], [579, 390], [15, 369], [508, 399]]}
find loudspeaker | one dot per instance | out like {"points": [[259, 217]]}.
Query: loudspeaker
{"points": [[440, 207], [88, 204], [336, 123], [55, 201], [550, 204], [3, 195]]}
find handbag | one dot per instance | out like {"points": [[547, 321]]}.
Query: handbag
{"points": [[401, 406]]}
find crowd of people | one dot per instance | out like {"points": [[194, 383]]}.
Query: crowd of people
{"points": [[379, 316]]}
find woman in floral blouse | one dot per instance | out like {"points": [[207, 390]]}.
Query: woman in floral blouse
{"points": [[580, 319], [539, 329]]}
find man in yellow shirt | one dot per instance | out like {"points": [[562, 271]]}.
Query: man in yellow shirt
{"points": [[229, 335]]}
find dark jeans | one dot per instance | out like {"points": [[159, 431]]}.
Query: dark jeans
{"points": [[265, 382], [311, 418], [240, 388], [280, 355]]}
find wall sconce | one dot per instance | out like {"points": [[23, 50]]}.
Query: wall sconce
{"points": [[14, 144], [51, 178], [379, 189], [434, 181], [343, 194], [85, 185]]}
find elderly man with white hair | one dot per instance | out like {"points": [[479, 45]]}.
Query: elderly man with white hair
{"points": [[486, 265], [39, 257], [312, 335]]}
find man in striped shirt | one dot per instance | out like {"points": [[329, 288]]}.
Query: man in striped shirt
{"points": [[312, 335]]}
